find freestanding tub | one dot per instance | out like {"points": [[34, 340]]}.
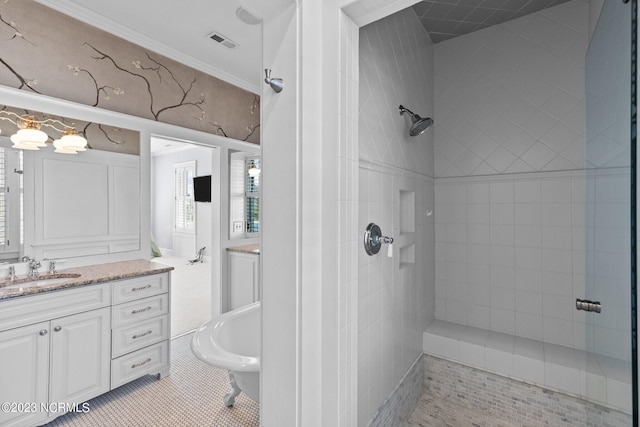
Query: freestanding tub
{"points": [[232, 341]]}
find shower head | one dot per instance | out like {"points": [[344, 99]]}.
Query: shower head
{"points": [[418, 124]]}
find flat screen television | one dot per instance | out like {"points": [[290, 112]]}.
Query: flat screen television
{"points": [[202, 188]]}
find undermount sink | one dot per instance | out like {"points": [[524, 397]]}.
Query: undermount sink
{"points": [[44, 280]]}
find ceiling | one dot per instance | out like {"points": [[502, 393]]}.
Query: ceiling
{"points": [[445, 19], [180, 31]]}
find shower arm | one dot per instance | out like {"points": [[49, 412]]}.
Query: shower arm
{"points": [[405, 110]]}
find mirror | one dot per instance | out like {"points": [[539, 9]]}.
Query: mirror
{"points": [[56, 205]]}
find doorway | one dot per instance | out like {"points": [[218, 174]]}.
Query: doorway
{"points": [[182, 227]]}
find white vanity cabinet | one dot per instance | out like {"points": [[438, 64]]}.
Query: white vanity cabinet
{"points": [[61, 355], [243, 271], [140, 328], [24, 372], [71, 345], [80, 356]]}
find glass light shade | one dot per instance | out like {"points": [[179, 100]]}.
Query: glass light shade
{"points": [[64, 149], [20, 146], [34, 137], [253, 171], [72, 140]]}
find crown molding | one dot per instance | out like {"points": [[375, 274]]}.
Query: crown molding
{"points": [[89, 17]]}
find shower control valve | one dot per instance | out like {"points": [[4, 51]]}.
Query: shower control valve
{"points": [[373, 239]]}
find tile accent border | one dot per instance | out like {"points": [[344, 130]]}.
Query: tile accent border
{"points": [[513, 401], [397, 407]]}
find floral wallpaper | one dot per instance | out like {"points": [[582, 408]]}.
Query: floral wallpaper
{"points": [[47, 52]]}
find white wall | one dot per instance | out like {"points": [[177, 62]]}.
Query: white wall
{"points": [[395, 295]]}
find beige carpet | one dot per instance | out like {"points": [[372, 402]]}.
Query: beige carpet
{"points": [[190, 294]]}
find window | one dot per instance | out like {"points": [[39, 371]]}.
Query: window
{"points": [[244, 189], [252, 195], [10, 203], [185, 210]]}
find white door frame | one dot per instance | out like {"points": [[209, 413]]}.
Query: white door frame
{"points": [[309, 240]]}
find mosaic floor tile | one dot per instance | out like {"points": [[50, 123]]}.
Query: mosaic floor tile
{"points": [[190, 396], [432, 411]]}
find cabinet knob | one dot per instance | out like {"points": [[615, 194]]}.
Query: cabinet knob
{"points": [[57, 328], [43, 332]]}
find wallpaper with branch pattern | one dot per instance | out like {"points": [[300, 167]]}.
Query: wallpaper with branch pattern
{"points": [[44, 51]]}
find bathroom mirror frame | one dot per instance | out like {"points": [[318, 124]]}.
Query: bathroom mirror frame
{"points": [[24, 100]]}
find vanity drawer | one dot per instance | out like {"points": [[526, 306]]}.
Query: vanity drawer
{"points": [[35, 308], [134, 337], [140, 287], [149, 360], [136, 311]]}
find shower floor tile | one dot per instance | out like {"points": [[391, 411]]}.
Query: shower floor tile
{"points": [[435, 412]]}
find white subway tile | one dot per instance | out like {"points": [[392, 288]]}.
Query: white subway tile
{"points": [[528, 214], [558, 214], [528, 258], [498, 361], [501, 192], [479, 315], [528, 236], [503, 321], [557, 260], [502, 214], [558, 331], [562, 378], [529, 280], [478, 193], [478, 213], [529, 302], [479, 233]]}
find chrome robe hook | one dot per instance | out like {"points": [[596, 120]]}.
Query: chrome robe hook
{"points": [[276, 84]]}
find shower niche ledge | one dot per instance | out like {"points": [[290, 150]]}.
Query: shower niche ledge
{"points": [[593, 377]]}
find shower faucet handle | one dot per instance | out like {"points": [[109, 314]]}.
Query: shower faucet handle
{"points": [[373, 239]]}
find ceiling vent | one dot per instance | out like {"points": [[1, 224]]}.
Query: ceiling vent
{"points": [[223, 40]]}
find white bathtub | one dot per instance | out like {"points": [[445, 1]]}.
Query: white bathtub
{"points": [[232, 341]]}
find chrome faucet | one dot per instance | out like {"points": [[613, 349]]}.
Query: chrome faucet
{"points": [[12, 272], [33, 268], [52, 268]]}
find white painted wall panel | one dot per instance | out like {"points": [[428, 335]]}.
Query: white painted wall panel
{"points": [[75, 199]]}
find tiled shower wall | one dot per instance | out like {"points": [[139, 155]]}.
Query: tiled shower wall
{"points": [[395, 294], [511, 255], [510, 100], [525, 223]]}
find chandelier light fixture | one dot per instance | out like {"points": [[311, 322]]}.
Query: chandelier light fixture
{"points": [[30, 137]]}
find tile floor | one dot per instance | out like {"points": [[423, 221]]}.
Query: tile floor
{"points": [[432, 411], [190, 294], [191, 396]]}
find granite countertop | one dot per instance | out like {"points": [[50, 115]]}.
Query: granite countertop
{"points": [[80, 276], [247, 249]]}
